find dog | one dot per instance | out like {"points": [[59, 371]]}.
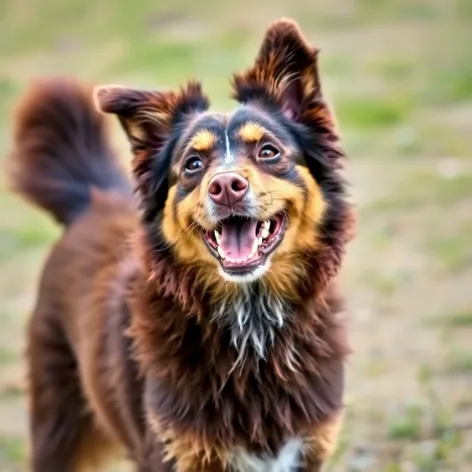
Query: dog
{"points": [[189, 316]]}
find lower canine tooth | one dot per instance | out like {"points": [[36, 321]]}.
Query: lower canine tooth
{"points": [[265, 233], [221, 253]]}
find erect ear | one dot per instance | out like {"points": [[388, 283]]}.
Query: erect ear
{"points": [[149, 119], [285, 71]]}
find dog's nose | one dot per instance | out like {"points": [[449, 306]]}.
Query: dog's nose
{"points": [[228, 188]]}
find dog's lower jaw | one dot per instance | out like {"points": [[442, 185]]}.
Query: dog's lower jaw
{"points": [[252, 276]]}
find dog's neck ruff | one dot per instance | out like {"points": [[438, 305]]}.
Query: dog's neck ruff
{"points": [[253, 318]]}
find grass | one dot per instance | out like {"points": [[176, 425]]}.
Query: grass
{"points": [[453, 253], [456, 319], [428, 428], [407, 425], [425, 187], [391, 68], [21, 238], [459, 361], [399, 77], [12, 450], [373, 112], [7, 356]]}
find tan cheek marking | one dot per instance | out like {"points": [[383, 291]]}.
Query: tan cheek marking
{"points": [[252, 132], [316, 204], [305, 210], [202, 141], [178, 229], [169, 225]]}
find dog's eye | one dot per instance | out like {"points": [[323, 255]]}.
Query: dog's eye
{"points": [[193, 164], [268, 152]]}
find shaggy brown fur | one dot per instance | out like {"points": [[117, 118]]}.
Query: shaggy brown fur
{"points": [[132, 345]]}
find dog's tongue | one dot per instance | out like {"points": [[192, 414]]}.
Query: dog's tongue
{"points": [[237, 238]]}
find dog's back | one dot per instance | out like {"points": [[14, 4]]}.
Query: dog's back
{"points": [[62, 163]]}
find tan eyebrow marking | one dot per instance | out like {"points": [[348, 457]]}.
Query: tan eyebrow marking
{"points": [[252, 132], [202, 141]]}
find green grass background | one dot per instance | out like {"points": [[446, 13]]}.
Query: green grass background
{"points": [[399, 76]]}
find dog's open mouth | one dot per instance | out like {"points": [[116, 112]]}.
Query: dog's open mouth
{"points": [[242, 244]]}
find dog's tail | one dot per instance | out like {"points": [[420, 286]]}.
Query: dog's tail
{"points": [[61, 150]]}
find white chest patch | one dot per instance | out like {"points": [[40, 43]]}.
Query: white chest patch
{"points": [[252, 318], [287, 460]]}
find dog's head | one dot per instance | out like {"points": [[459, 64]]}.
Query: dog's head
{"points": [[244, 195]]}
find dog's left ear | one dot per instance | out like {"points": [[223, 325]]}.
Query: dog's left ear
{"points": [[285, 72]]}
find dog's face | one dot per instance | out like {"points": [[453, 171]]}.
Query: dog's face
{"points": [[242, 195]]}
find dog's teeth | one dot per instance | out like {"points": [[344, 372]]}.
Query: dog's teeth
{"points": [[266, 225], [255, 245], [265, 233], [259, 241], [217, 236], [221, 253]]}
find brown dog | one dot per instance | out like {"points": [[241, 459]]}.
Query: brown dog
{"points": [[199, 330]]}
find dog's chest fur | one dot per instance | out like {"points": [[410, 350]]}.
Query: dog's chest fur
{"points": [[253, 318], [288, 459]]}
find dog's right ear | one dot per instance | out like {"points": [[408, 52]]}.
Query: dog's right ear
{"points": [[148, 117], [151, 120]]}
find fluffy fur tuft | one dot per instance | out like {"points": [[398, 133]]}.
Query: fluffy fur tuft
{"points": [[61, 151]]}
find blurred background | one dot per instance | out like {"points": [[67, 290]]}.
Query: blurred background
{"points": [[399, 76]]}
